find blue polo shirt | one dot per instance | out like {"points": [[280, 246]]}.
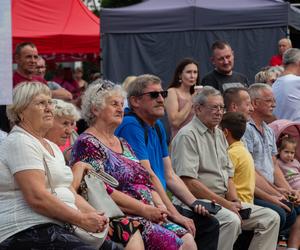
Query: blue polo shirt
{"points": [[131, 130], [262, 147]]}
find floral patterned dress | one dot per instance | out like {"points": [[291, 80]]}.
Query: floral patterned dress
{"points": [[134, 180]]}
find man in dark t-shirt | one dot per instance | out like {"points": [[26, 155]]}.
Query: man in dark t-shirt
{"points": [[223, 76]]}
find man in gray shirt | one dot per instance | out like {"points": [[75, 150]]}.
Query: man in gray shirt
{"points": [[223, 76], [199, 156]]}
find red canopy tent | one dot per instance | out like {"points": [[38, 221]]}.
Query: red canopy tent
{"points": [[63, 30]]}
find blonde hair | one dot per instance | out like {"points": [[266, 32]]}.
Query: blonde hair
{"points": [[128, 80], [22, 96], [262, 76]]}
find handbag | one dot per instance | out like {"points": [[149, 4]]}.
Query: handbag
{"points": [[94, 191], [93, 239]]}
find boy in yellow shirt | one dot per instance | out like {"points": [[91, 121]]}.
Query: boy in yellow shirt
{"points": [[233, 125]]}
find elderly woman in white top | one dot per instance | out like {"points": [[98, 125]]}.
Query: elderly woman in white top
{"points": [[123, 229], [62, 133], [31, 216], [65, 117], [2, 135]]}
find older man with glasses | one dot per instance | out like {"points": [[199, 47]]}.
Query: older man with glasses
{"points": [[146, 135], [274, 190], [200, 158]]}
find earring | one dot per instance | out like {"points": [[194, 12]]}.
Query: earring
{"points": [[21, 118], [180, 80]]}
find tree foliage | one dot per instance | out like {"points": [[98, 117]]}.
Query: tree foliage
{"points": [[118, 3]]}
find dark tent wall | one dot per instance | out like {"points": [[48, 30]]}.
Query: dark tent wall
{"points": [[294, 17], [153, 36]]}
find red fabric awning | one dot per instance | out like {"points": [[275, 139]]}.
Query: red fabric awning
{"points": [[56, 26]]}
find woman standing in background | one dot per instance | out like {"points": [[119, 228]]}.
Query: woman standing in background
{"points": [[179, 101]]}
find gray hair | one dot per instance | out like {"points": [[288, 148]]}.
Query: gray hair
{"points": [[278, 70], [256, 88], [96, 95], [201, 97], [291, 56], [23, 94], [137, 86], [62, 108]]}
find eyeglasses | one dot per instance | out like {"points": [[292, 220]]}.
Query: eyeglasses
{"points": [[155, 94], [216, 108], [268, 100]]}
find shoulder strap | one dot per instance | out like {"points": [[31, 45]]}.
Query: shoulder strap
{"points": [[131, 113], [49, 177], [158, 131], [143, 124]]}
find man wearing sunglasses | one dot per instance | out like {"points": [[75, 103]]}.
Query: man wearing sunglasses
{"points": [[146, 100]]}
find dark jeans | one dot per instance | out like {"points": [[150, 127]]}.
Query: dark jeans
{"points": [[286, 219], [46, 237], [244, 240], [207, 229]]}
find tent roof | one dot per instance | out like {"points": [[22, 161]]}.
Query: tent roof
{"points": [[181, 15], [56, 26], [294, 17]]}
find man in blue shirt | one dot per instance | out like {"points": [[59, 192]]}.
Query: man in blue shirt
{"points": [[147, 137], [260, 141]]}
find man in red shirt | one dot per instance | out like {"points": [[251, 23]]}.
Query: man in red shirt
{"points": [[28, 60], [58, 92], [283, 45], [26, 56]]}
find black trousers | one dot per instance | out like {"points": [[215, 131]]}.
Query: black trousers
{"points": [[207, 229], [47, 237]]}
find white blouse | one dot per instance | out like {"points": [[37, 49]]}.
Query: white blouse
{"points": [[21, 151]]}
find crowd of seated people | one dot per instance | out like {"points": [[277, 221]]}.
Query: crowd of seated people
{"points": [[222, 183]]}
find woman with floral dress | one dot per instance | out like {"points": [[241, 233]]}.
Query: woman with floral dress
{"points": [[102, 108]]}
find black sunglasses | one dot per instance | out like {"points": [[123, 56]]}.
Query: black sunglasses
{"points": [[155, 94]]}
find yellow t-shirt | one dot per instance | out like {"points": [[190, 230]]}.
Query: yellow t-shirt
{"points": [[244, 171]]}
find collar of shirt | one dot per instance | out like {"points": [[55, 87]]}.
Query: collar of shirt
{"points": [[252, 123], [235, 144], [202, 129]]}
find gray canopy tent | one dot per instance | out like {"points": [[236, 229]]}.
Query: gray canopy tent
{"points": [[152, 36], [294, 17]]}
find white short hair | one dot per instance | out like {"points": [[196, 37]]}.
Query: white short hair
{"points": [[96, 95], [23, 94], [62, 108]]}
